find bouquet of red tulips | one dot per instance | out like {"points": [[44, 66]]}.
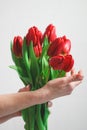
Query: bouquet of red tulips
{"points": [[40, 57]]}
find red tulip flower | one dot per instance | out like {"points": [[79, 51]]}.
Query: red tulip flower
{"points": [[50, 33], [17, 46], [68, 63], [60, 45], [35, 36], [56, 62], [62, 62]]}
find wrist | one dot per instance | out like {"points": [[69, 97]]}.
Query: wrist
{"points": [[42, 95]]}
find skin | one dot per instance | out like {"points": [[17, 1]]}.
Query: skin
{"points": [[16, 114], [12, 104]]}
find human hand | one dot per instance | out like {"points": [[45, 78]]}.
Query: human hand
{"points": [[63, 86]]}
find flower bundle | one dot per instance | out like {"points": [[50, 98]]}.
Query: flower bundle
{"points": [[40, 57]]}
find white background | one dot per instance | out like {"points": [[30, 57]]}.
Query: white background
{"points": [[70, 19]]}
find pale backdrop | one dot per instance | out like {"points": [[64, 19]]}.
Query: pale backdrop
{"points": [[70, 19]]}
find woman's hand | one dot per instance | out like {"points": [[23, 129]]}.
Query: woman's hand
{"points": [[63, 86]]}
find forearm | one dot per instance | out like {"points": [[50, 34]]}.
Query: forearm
{"points": [[6, 118], [12, 103]]}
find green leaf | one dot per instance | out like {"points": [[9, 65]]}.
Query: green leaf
{"points": [[28, 115], [34, 67], [21, 74], [45, 47], [26, 59], [25, 80], [13, 67], [25, 55], [54, 73], [61, 73], [18, 69], [45, 69], [44, 113]]}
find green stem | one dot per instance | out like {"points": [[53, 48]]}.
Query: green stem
{"points": [[29, 118], [39, 119], [45, 113]]}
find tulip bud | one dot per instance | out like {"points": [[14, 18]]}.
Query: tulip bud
{"points": [[17, 46], [62, 62], [50, 33], [35, 36], [60, 45], [56, 62], [68, 63]]}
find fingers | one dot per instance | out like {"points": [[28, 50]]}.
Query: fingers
{"points": [[73, 72], [73, 81], [70, 73], [72, 86], [18, 113], [75, 77], [80, 75], [64, 81], [75, 84], [24, 89], [49, 104]]}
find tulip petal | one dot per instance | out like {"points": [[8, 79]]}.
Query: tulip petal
{"points": [[60, 45], [50, 33], [57, 62], [68, 63]]}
